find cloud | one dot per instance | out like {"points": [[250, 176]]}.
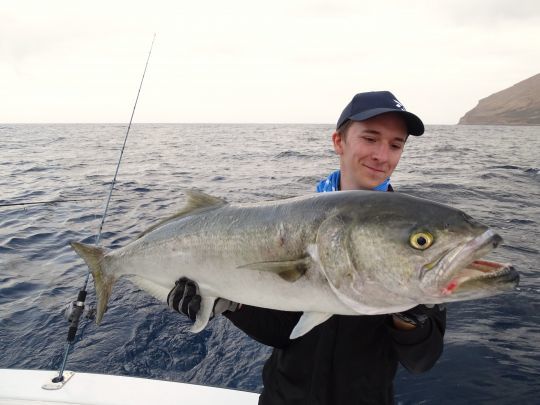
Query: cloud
{"points": [[279, 61], [488, 12]]}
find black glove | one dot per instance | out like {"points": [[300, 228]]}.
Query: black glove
{"points": [[185, 298], [418, 315]]}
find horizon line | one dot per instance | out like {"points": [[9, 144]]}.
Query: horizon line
{"points": [[188, 123]]}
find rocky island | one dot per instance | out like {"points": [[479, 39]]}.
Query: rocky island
{"points": [[516, 105]]}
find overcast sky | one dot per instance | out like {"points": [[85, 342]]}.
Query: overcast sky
{"points": [[276, 61]]}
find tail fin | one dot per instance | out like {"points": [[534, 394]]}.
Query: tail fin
{"points": [[103, 282]]}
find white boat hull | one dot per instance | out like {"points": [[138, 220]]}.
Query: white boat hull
{"points": [[27, 386]]}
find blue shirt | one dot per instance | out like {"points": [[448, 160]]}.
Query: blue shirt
{"points": [[331, 183]]}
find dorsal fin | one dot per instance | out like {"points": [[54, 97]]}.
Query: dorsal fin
{"points": [[197, 201]]}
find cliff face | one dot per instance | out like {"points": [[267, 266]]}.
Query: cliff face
{"points": [[516, 105]]}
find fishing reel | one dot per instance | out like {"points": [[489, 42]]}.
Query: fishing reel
{"points": [[73, 312]]}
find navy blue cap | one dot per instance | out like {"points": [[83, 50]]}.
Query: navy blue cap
{"points": [[373, 103]]}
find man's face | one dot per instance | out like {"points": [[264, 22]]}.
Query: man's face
{"points": [[370, 151]]}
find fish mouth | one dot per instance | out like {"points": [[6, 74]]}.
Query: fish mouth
{"points": [[482, 275], [462, 274]]}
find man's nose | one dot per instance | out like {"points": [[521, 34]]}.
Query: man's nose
{"points": [[381, 153]]}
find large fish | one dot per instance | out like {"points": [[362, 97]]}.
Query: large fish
{"points": [[347, 252]]}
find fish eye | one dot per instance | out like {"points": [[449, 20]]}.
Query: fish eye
{"points": [[421, 240]]}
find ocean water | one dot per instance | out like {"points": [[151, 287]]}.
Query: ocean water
{"points": [[492, 346]]}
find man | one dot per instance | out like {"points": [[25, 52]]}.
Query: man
{"points": [[347, 359]]}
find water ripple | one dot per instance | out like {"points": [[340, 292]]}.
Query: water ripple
{"points": [[485, 358]]}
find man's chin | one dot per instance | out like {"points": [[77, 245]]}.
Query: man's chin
{"points": [[372, 182], [369, 185]]}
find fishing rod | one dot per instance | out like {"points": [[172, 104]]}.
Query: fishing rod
{"points": [[76, 308]]}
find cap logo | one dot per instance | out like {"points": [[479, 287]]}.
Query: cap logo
{"points": [[399, 105]]}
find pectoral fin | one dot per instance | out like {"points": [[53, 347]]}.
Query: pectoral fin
{"points": [[288, 270], [308, 321], [204, 314]]}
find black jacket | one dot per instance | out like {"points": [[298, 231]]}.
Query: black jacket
{"points": [[345, 360]]}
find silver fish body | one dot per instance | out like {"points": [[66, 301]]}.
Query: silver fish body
{"points": [[353, 252]]}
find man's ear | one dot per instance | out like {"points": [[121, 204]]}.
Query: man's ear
{"points": [[338, 142]]}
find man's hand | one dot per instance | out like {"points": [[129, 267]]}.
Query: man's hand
{"points": [[416, 316], [185, 298]]}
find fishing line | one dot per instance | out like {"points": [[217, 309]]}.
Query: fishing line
{"points": [[527, 290], [45, 202], [76, 308]]}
